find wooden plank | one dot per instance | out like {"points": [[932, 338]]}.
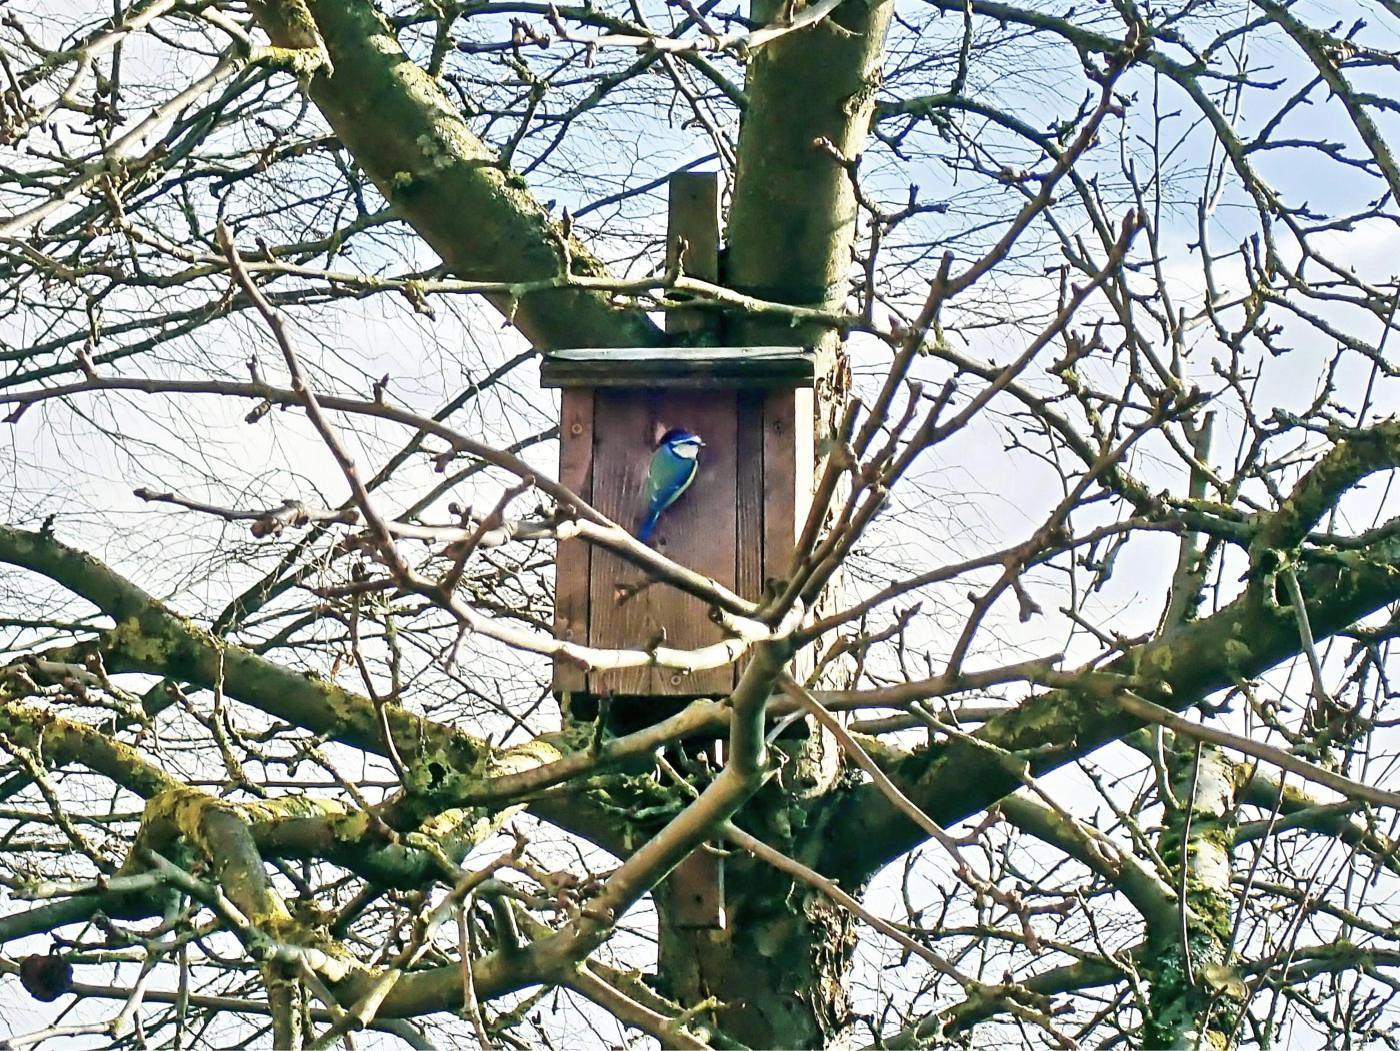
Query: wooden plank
{"points": [[696, 887], [751, 499], [693, 229], [623, 435], [804, 444], [699, 531], [693, 221], [787, 474], [704, 367], [571, 565], [787, 442]]}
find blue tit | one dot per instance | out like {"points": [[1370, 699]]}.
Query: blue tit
{"points": [[673, 468]]}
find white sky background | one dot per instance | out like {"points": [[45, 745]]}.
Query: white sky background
{"points": [[975, 495]]}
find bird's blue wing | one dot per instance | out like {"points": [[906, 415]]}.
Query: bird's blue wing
{"points": [[668, 477]]}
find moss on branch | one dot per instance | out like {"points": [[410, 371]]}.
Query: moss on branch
{"points": [[65, 741], [442, 762], [450, 186], [861, 833]]}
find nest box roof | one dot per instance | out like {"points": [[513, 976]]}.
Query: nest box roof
{"points": [[712, 367]]}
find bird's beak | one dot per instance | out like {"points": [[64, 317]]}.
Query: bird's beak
{"points": [[700, 443]]}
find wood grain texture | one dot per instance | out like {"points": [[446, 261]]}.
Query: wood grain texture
{"points": [[697, 883], [693, 218], [696, 890], [787, 467], [751, 497], [571, 567], [699, 531], [804, 445]]}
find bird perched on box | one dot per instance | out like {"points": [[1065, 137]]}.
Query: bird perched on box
{"points": [[673, 468]]}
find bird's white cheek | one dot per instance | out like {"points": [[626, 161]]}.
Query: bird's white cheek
{"points": [[687, 452]]}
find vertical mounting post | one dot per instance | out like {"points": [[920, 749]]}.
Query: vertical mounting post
{"points": [[693, 220], [692, 233]]}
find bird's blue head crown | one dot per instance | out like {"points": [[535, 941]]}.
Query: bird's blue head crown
{"points": [[679, 436]]}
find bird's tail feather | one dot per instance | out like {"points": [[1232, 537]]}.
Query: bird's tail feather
{"points": [[648, 526]]}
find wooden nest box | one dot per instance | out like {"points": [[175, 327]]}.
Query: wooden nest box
{"points": [[737, 523]]}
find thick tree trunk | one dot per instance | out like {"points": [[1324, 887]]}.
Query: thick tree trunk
{"points": [[777, 968], [793, 214], [1193, 997]]}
